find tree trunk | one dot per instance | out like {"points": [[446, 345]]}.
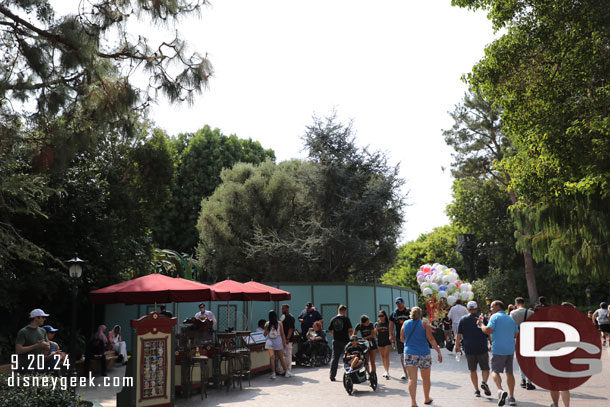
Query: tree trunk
{"points": [[530, 277], [528, 259]]}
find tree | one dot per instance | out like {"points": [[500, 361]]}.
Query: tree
{"points": [[550, 73], [357, 204], [250, 203], [334, 217], [480, 145], [481, 207], [200, 157], [66, 83], [437, 246]]}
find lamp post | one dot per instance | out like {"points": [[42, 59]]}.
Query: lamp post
{"points": [[588, 294], [75, 270]]}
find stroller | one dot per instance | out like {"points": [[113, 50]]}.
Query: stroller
{"points": [[359, 375]]}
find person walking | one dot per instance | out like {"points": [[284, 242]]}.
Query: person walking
{"points": [[602, 317], [382, 326], [397, 319], [455, 314], [475, 347], [367, 330], [276, 339], [340, 329], [416, 336], [520, 314], [503, 330]]}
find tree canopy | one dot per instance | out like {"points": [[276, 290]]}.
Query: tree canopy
{"points": [[333, 217], [199, 159], [550, 74]]}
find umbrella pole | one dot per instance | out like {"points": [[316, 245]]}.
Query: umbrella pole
{"points": [[250, 316], [227, 327]]}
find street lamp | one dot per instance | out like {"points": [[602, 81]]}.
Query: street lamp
{"points": [[75, 271], [588, 294]]}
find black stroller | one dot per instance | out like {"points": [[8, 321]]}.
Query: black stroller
{"points": [[360, 374]]}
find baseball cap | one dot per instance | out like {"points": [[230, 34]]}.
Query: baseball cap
{"points": [[472, 305], [309, 305], [399, 300], [49, 328], [38, 313]]}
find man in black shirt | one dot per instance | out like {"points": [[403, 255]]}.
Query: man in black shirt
{"points": [[398, 317], [341, 330], [288, 325]]}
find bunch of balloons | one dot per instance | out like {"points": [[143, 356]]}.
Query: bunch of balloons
{"points": [[441, 286]]}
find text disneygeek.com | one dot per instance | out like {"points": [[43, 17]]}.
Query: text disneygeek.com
{"points": [[54, 382]]}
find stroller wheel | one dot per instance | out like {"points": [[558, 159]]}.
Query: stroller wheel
{"points": [[348, 384], [373, 380]]}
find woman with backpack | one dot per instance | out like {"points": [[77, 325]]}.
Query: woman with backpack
{"points": [[275, 342]]}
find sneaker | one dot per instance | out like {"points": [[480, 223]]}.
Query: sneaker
{"points": [[523, 384], [512, 401], [289, 373], [385, 375], [332, 379], [403, 377], [272, 376], [502, 395], [530, 386], [477, 393], [485, 388]]}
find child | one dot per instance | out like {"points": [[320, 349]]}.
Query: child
{"points": [[354, 353]]}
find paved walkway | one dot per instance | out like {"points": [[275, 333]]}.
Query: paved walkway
{"points": [[451, 387]]}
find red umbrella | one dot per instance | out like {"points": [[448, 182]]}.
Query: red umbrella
{"points": [[151, 289], [229, 290], [276, 293]]}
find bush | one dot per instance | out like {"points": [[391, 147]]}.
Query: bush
{"points": [[35, 396]]}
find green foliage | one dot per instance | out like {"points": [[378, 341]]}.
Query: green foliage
{"points": [[438, 246], [332, 218], [356, 203], [199, 159], [480, 206], [252, 203], [39, 396], [550, 73]]}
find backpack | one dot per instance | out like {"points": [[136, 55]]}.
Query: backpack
{"points": [[273, 333]]}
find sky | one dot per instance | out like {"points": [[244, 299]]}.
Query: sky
{"points": [[393, 67]]}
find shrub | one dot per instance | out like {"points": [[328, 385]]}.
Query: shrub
{"points": [[39, 396]]}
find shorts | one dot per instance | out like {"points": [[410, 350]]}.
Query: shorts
{"points": [[482, 359], [422, 362], [381, 342], [275, 343], [400, 347], [500, 363], [372, 344], [604, 328]]}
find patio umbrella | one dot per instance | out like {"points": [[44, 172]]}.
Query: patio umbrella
{"points": [[229, 290], [152, 289], [275, 293]]}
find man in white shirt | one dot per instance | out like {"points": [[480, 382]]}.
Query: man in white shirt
{"points": [[456, 313], [203, 314]]}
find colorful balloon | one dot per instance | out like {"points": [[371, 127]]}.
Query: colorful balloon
{"points": [[427, 292], [451, 300]]}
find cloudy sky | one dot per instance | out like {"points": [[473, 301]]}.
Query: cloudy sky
{"points": [[394, 67]]}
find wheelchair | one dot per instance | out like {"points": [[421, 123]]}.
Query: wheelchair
{"points": [[313, 353]]}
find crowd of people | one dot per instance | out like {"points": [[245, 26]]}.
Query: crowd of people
{"points": [[473, 332]]}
